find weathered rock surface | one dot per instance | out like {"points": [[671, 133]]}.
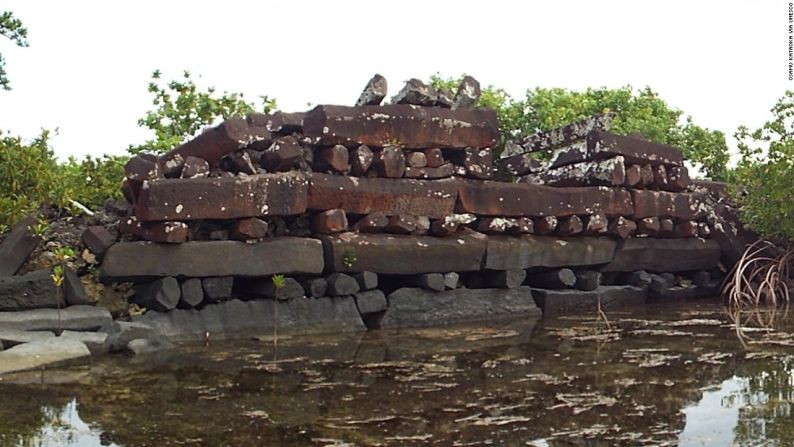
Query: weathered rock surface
{"points": [[217, 288], [210, 145], [390, 162], [418, 307], [315, 287], [404, 255], [601, 145], [76, 318], [610, 172], [17, 245], [367, 280], [370, 302], [562, 136], [161, 294], [96, 342], [668, 204], [374, 92], [588, 280], [280, 194], [32, 291], [282, 155], [120, 333], [555, 302], [390, 197], [468, 93], [416, 92], [521, 199], [237, 318], [12, 337], [55, 351], [410, 126], [192, 293], [132, 260], [340, 284], [665, 255], [96, 239], [526, 251], [554, 279]]}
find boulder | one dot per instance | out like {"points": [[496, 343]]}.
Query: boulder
{"points": [[335, 158], [602, 145], [211, 145], [372, 223], [315, 287], [434, 158], [97, 240], [389, 162], [403, 255], [282, 155], [17, 245], [370, 302], [418, 307], [55, 351], [562, 136], [248, 228], [192, 294], [328, 222], [138, 260], [217, 288], [367, 280], [73, 290], [161, 294], [468, 93], [96, 342], [195, 167], [361, 159], [31, 291], [588, 280], [340, 284], [374, 92], [416, 92]]}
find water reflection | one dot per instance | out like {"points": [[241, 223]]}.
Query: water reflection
{"points": [[659, 375]]}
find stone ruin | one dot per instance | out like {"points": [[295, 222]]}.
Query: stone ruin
{"points": [[388, 215]]}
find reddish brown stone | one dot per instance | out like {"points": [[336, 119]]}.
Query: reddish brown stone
{"points": [[390, 162], [286, 123], [372, 223], [667, 204], [521, 164], [478, 163], [244, 161], [633, 176], [195, 167], [130, 190], [686, 228], [331, 221], [282, 155], [249, 228], [545, 225], [161, 232], [258, 130], [140, 168], [443, 171], [435, 158], [646, 176], [337, 158], [596, 223], [374, 92], [678, 178], [391, 197], [621, 227], [666, 227], [97, 240], [402, 224], [570, 226], [223, 198], [410, 126], [649, 225], [211, 145], [601, 144], [660, 177], [444, 227], [416, 159], [361, 159], [520, 199], [611, 172]]}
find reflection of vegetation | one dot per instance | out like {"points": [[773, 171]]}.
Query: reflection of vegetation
{"points": [[767, 403], [24, 419]]}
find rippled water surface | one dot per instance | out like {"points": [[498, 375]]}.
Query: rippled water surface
{"points": [[659, 375]]}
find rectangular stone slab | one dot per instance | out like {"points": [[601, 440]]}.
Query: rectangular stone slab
{"points": [[521, 199], [140, 260], [412, 127], [528, 251], [665, 255], [555, 302], [17, 245], [564, 135], [434, 199], [682, 206], [223, 198], [601, 144], [404, 255], [240, 319], [409, 307], [75, 318]]}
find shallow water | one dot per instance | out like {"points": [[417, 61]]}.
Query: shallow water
{"points": [[659, 375]]}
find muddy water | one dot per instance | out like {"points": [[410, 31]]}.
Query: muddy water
{"points": [[660, 375]]}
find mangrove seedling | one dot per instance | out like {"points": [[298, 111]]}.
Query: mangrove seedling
{"points": [[57, 279], [278, 282], [349, 259]]}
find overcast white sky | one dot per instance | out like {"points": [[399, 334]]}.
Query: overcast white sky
{"points": [[88, 64]]}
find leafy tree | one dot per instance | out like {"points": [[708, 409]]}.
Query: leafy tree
{"points": [[637, 111], [764, 175], [181, 110], [12, 28]]}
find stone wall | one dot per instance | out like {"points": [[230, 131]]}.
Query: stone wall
{"points": [[390, 214]]}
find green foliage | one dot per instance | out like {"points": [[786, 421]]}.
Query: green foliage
{"points": [[636, 111], [57, 275], [349, 259], [31, 176], [181, 110], [278, 281], [765, 172], [13, 29], [39, 228]]}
